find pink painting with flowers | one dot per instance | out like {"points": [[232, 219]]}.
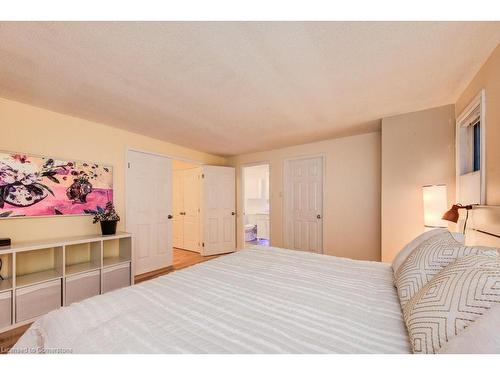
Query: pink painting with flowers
{"points": [[41, 186]]}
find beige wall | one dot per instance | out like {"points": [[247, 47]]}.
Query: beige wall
{"points": [[352, 193], [488, 78], [34, 130], [417, 149]]}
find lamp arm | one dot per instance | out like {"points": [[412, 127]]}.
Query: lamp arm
{"points": [[465, 223]]}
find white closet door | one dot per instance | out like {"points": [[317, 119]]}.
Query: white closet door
{"points": [[191, 213], [149, 204], [303, 189], [178, 209], [218, 209]]}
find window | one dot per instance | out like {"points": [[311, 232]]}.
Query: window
{"points": [[470, 144], [477, 146]]}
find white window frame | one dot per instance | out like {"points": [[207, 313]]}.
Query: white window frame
{"points": [[463, 151]]}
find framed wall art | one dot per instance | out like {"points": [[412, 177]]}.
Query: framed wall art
{"points": [[45, 186]]}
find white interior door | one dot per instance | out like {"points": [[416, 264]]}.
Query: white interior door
{"points": [[191, 213], [178, 209], [303, 189], [218, 210], [149, 205], [186, 206]]}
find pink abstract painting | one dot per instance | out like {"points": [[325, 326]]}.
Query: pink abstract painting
{"points": [[41, 186]]}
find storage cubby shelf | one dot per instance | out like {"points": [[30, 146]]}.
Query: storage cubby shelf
{"points": [[82, 267], [113, 261], [36, 245], [37, 277], [30, 270]]}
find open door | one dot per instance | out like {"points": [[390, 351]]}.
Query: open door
{"points": [[218, 210], [186, 203], [149, 210]]}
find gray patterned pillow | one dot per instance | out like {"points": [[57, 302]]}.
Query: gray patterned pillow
{"points": [[451, 301], [428, 259]]}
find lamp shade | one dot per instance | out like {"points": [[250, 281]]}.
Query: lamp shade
{"points": [[452, 214], [435, 205]]}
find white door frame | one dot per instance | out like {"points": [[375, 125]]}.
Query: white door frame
{"points": [[173, 157], [478, 101], [323, 197], [241, 227]]}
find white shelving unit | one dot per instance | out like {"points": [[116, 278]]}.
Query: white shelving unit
{"points": [[45, 275]]}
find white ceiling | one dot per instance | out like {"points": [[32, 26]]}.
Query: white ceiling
{"points": [[235, 87]]}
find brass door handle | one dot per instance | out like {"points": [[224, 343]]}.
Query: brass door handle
{"points": [[318, 216]]}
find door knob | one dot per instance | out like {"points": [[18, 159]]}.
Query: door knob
{"points": [[318, 216], [170, 216], [233, 213]]}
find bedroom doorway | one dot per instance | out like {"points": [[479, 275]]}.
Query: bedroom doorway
{"points": [[303, 203], [204, 211], [255, 183], [172, 202]]}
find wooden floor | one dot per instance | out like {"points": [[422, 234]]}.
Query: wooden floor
{"points": [[181, 259], [9, 338]]}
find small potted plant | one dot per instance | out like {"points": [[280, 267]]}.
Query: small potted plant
{"points": [[108, 219]]}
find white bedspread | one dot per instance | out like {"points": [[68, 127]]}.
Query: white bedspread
{"points": [[261, 300]]}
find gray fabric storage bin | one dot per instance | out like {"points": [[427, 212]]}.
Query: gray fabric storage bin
{"points": [[38, 299], [82, 286], [115, 277], [5, 309]]}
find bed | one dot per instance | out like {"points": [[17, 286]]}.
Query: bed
{"points": [[258, 300]]}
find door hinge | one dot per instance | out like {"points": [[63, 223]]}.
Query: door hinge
{"points": [[203, 244], [128, 165], [203, 175]]}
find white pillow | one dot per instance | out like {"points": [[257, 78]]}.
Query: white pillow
{"points": [[451, 302], [428, 259], [412, 245]]}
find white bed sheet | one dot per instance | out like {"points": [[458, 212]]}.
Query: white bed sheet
{"points": [[260, 300]]}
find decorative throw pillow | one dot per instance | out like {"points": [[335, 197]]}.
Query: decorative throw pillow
{"points": [[430, 257], [451, 301], [412, 245]]}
